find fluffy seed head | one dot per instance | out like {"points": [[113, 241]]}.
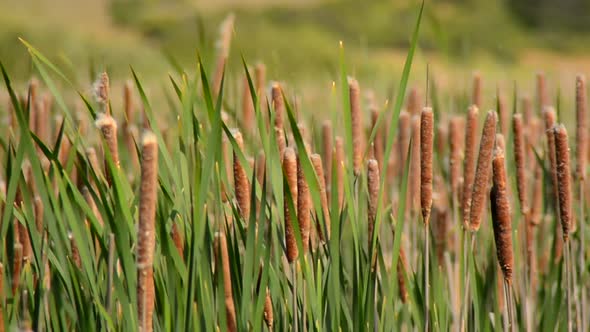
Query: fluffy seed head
{"points": [[108, 128], [426, 146], [483, 172]]}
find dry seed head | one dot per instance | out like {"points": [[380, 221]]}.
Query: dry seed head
{"points": [[501, 215], [373, 184], [456, 137], [519, 158], [483, 172], [469, 162], [562, 157], [101, 89], [442, 134], [128, 101], [476, 94], [278, 104], [223, 44], [426, 146], [316, 161], [222, 264], [303, 206], [17, 263], [401, 271], [357, 126], [327, 153], [241, 182], [339, 161], [581, 127], [290, 173], [108, 128], [527, 109]]}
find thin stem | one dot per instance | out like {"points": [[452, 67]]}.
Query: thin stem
{"points": [[508, 305], [426, 278], [467, 279], [582, 251], [111, 268], [568, 285], [294, 284]]}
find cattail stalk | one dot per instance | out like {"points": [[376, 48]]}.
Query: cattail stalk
{"points": [[222, 266], [550, 120], [414, 172], [426, 150], [502, 224], [483, 172], [316, 161], [562, 158], [241, 182], [469, 163], [357, 126], [147, 231], [519, 158], [339, 161], [327, 156], [108, 127], [404, 133]]}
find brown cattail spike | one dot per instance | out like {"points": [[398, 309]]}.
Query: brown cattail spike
{"points": [[303, 206], [501, 216], [426, 146], [290, 174], [223, 44], [373, 180], [483, 172], [147, 231], [581, 127], [562, 156], [241, 182], [222, 265], [316, 161], [519, 158], [108, 128], [469, 163], [278, 104], [357, 126], [414, 171]]}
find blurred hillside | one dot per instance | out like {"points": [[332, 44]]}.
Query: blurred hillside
{"points": [[295, 38]]}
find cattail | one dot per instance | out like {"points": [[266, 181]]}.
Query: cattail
{"points": [[222, 45], [147, 231], [414, 172], [247, 107], [401, 271], [476, 95], [500, 206], [469, 162], [260, 79], [581, 128], [108, 128], [17, 263], [241, 182], [519, 158], [413, 103], [290, 173], [316, 161], [378, 144], [550, 120], [503, 113], [562, 156], [440, 226], [527, 110], [404, 132], [426, 143], [75, 252], [327, 154], [373, 181], [38, 213], [260, 167], [303, 206], [281, 141], [268, 311], [456, 134], [178, 240], [129, 129], [222, 264], [357, 126], [483, 172], [536, 211], [102, 93], [542, 96], [339, 161], [227, 168], [278, 104]]}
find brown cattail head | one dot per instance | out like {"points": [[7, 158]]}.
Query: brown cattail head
{"points": [[469, 163], [519, 158], [550, 120], [414, 172], [281, 141], [542, 97], [268, 311], [357, 125], [581, 127], [339, 161], [483, 172], [316, 161], [222, 266], [260, 81], [327, 154], [476, 94], [146, 239], [373, 181], [456, 139], [17, 263], [378, 143], [223, 44], [527, 110], [290, 173], [247, 107], [413, 103], [401, 271], [278, 104], [128, 101], [241, 182], [501, 215], [426, 146], [562, 157], [303, 206], [108, 128]]}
